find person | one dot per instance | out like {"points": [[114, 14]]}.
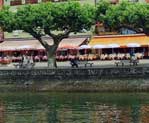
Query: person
{"points": [[31, 59], [73, 63], [131, 54], [22, 58], [24, 61]]}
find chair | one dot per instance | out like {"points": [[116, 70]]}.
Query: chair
{"points": [[81, 57], [106, 56], [37, 58], [90, 57], [110, 56], [45, 58], [70, 57], [102, 57], [127, 56]]}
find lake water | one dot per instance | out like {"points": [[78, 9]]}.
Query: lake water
{"points": [[74, 108]]}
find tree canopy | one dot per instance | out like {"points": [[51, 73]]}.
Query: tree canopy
{"points": [[55, 17], [48, 18], [6, 19], [101, 10], [126, 14]]}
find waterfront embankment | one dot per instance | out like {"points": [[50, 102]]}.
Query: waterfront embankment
{"points": [[128, 78]]}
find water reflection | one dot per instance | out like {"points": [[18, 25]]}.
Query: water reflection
{"points": [[74, 108], [2, 112]]}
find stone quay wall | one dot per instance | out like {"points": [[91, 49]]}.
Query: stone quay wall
{"points": [[72, 74]]}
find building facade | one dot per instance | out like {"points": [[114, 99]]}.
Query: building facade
{"points": [[22, 2], [116, 1]]}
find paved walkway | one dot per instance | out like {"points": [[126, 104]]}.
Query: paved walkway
{"points": [[106, 64], [66, 64]]}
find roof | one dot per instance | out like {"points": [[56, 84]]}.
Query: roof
{"points": [[72, 42], [121, 40], [35, 44]]}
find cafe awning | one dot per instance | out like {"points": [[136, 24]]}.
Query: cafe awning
{"points": [[121, 40], [18, 45], [74, 42], [32, 44]]}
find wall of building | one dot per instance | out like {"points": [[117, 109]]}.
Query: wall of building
{"points": [[1, 3], [21, 2]]}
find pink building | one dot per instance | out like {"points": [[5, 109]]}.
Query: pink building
{"points": [[1, 3]]}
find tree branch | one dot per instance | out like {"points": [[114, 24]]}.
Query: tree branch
{"points": [[39, 38], [64, 35], [51, 34], [58, 38], [43, 43]]}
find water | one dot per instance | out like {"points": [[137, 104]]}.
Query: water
{"points": [[74, 108]]}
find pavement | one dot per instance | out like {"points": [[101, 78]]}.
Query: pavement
{"points": [[97, 63]]}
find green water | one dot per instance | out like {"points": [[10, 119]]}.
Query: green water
{"points": [[74, 108]]}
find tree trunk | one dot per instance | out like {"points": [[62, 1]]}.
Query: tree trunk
{"points": [[51, 51], [51, 59]]}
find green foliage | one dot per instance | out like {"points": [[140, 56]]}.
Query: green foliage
{"points": [[130, 15], [101, 10], [117, 15], [55, 17], [30, 17], [71, 16], [140, 18], [6, 19]]}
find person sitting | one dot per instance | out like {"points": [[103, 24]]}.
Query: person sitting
{"points": [[73, 63]]}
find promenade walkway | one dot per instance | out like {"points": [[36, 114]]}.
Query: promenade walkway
{"points": [[66, 64]]}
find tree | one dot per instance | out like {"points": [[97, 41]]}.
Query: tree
{"points": [[134, 16], [56, 20], [116, 16], [6, 19], [101, 8], [140, 18]]}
